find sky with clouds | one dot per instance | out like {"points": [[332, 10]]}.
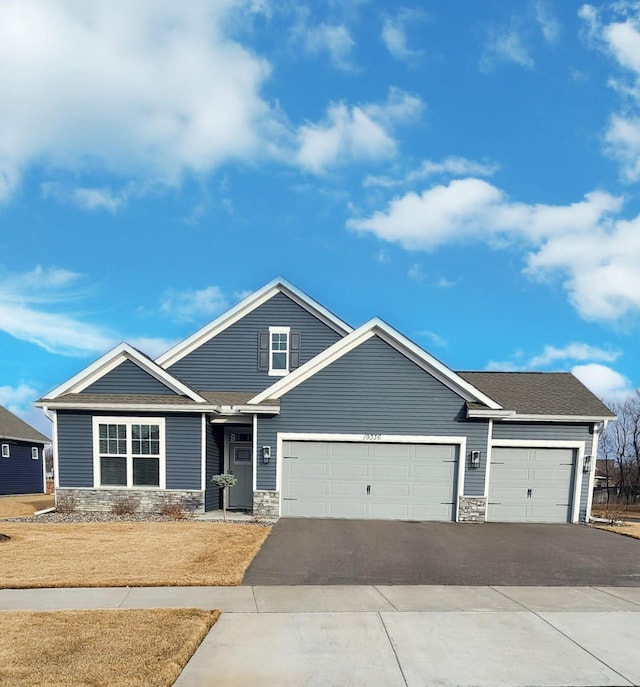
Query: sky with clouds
{"points": [[469, 172]]}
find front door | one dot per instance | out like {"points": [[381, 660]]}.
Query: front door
{"points": [[240, 464]]}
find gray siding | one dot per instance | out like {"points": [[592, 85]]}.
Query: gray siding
{"points": [[127, 378], [552, 431], [215, 444], [75, 448], [184, 451], [229, 361], [374, 389]]}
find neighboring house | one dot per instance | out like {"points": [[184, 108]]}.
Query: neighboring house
{"points": [[317, 419], [21, 456]]}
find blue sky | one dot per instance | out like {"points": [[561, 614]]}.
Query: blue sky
{"points": [[467, 171]]}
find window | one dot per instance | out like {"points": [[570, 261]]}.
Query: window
{"points": [[5, 451], [34, 453], [278, 350], [128, 452]]}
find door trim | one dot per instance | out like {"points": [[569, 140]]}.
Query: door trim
{"points": [[460, 442], [577, 446]]}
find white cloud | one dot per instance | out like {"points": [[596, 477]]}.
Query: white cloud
{"points": [[604, 382], [505, 45], [87, 198], [150, 89], [595, 254], [549, 25], [196, 305], [334, 39], [573, 351], [27, 303], [433, 338], [444, 283], [354, 133], [452, 166], [394, 34], [415, 272]]}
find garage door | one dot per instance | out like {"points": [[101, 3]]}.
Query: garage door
{"points": [[530, 485], [369, 480]]}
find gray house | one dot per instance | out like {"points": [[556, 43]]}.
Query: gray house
{"points": [[22, 469], [317, 419]]}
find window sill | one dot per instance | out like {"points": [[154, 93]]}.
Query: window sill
{"points": [[278, 373]]}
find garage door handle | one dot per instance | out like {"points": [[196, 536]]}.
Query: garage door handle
{"points": [[528, 493], [368, 489]]}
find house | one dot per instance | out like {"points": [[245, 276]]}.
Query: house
{"points": [[22, 468], [317, 419]]}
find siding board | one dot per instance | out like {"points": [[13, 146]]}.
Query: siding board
{"points": [[128, 378], [229, 361]]}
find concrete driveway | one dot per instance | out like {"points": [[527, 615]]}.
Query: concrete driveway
{"points": [[354, 552]]}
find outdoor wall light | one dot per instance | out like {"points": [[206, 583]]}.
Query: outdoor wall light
{"points": [[474, 460], [587, 464], [266, 454]]}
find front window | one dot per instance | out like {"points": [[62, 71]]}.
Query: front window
{"points": [[5, 451], [278, 350], [129, 452]]}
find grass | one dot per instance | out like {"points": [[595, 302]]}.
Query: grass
{"points": [[27, 504], [129, 648], [143, 554], [629, 529]]}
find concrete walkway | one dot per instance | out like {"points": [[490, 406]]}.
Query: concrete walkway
{"points": [[392, 636]]}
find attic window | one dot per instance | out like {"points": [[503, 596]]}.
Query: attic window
{"points": [[34, 453], [278, 350], [5, 451]]}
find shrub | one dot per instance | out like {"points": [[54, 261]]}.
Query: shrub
{"points": [[173, 508], [125, 505], [66, 503]]}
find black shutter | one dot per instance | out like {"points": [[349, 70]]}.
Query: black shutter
{"points": [[263, 350], [294, 350]]}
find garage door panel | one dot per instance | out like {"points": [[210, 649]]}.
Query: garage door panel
{"points": [[530, 485], [406, 481]]}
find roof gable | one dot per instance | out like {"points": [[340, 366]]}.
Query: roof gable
{"points": [[245, 307], [13, 427], [377, 327], [110, 361]]}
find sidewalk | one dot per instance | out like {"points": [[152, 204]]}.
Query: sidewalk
{"points": [[392, 636]]}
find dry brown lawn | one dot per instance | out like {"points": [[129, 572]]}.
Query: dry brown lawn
{"points": [[133, 554], [629, 529], [128, 648], [28, 504]]}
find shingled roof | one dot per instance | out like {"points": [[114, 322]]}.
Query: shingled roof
{"points": [[12, 427], [539, 393]]}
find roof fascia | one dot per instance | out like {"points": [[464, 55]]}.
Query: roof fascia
{"points": [[138, 407], [113, 359], [377, 327], [26, 441], [246, 306], [487, 413], [558, 418]]}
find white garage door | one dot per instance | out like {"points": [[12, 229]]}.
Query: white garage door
{"points": [[530, 485], [369, 480]]}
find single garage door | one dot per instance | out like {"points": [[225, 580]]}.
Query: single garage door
{"points": [[369, 480], [530, 485]]}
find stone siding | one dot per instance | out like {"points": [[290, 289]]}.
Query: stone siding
{"points": [[103, 500], [266, 504], [472, 509]]}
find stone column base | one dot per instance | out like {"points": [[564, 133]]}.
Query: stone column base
{"points": [[472, 509], [145, 501], [266, 504]]}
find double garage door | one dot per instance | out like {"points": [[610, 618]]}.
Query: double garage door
{"points": [[369, 480], [531, 484]]}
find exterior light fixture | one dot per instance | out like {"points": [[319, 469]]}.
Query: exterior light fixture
{"points": [[474, 460], [587, 463], [266, 454]]}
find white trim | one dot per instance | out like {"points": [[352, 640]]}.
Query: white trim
{"points": [[460, 442], [37, 456], [133, 407], [490, 414], [54, 432], [246, 306], [556, 418], [592, 473], [578, 446], [254, 435], [279, 372], [203, 453], [6, 451], [109, 361], [487, 468], [376, 327], [128, 421]]}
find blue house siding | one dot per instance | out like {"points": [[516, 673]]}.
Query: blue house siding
{"points": [[374, 389], [75, 448], [229, 361], [554, 431], [20, 473], [128, 378], [214, 466]]}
